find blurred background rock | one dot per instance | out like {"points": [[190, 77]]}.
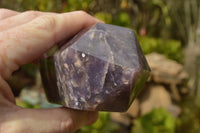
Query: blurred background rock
{"points": [[169, 34]]}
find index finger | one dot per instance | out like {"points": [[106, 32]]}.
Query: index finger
{"points": [[27, 42]]}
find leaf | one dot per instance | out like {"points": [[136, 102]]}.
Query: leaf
{"points": [[157, 121]]}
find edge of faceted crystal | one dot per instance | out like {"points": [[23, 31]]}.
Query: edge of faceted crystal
{"points": [[47, 72], [137, 87]]}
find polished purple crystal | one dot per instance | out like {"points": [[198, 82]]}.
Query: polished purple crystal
{"points": [[101, 69]]}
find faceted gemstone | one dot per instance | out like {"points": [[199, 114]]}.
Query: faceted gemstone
{"points": [[101, 69]]}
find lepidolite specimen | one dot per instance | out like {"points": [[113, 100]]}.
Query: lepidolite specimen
{"points": [[101, 69]]}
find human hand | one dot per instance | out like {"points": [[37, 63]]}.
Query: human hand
{"points": [[24, 37]]}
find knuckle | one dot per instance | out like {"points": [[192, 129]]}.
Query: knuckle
{"points": [[47, 22], [31, 13], [67, 126], [83, 13]]}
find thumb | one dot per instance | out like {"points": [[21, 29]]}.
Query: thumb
{"points": [[57, 120]]}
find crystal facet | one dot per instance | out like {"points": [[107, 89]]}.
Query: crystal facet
{"points": [[101, 69]]}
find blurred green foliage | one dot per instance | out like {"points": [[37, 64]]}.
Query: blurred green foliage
{"points": [[170, 48], [106, 17], [123, 19], [189, 120], [77, 5], [103, 125], [41, 5], [157, 121], [26, 104], [30, 69]]}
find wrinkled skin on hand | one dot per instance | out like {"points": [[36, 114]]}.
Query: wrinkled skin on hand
{"points": [[24, 37]]}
